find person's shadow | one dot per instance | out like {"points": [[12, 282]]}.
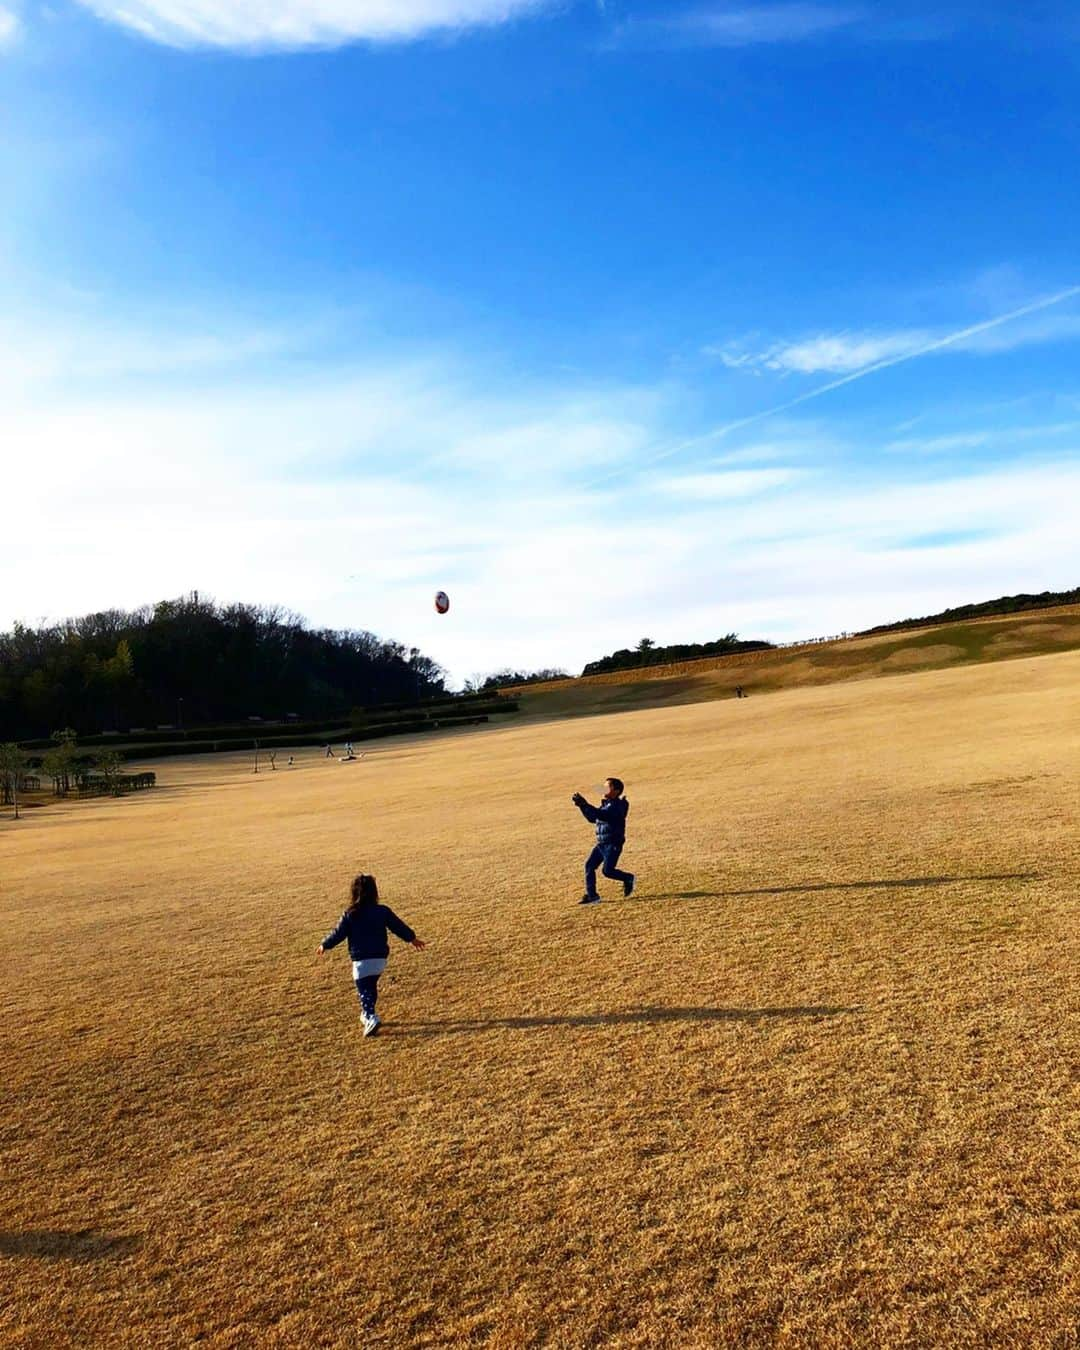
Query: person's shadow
{"points": [[629, 1017], [887, 883], [79, 1246]]}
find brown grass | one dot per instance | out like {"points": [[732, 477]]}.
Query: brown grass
{"points": [[813, 1086]]}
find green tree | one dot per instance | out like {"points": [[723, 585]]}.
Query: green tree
{"points": [[109, 764]]}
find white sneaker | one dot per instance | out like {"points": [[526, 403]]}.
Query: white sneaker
{"points": [[371, 1024]]}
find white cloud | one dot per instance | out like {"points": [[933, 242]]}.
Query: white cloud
{"points": [[748, 26], [9, 27], [839, 353], [726, 486], [939, 445], [349, 490], [301, 23], [845, 352]]}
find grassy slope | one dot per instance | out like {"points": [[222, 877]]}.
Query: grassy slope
{"points": [[811, 1087], [976, 640]]}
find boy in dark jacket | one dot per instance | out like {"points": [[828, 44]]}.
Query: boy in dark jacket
{"points": [[365, 924], [610, 821]]}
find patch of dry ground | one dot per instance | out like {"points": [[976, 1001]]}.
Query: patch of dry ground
{"points": [[813, 1086]]}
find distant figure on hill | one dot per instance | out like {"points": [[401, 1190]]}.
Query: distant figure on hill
{"points": [[290, 761], [365, 924], [610, 821], [739, 691], [273, 760], [329, 752]]}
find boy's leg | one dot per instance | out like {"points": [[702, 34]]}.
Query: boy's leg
{"points": [[592, 862], [611, 871]]}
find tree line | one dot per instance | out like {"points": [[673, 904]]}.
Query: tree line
{"points": [[509, 679], [647, 653], [1005, 604], [191, 662]]}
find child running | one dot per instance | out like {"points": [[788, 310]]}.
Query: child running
{"points": [[610, 821], [365, 923]]}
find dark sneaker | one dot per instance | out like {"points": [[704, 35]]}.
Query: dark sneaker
{"points": [[628, 886], [589, 900]]}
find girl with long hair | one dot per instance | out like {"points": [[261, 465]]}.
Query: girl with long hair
{"points": [[365, 925]]}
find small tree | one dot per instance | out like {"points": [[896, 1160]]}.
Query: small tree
{"points": [[12, 768], [62, 760], [109, 765]]}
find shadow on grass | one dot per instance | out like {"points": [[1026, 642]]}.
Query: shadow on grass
{"points": [[54, 1245], [615, 1019], [889, 884]]}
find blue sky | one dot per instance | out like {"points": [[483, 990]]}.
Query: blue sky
{"points": [[333, 303]]}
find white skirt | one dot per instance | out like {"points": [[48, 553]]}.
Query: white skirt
{"points": [[374, 965]]}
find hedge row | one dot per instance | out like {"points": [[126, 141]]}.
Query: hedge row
{"points": [[444, 713], [283, 742]]}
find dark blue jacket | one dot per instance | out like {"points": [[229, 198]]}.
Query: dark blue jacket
{"points": [[609, 818], [366, 930]]}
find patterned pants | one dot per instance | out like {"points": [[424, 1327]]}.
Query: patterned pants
{"points": [[367, 987], [366, 974]]}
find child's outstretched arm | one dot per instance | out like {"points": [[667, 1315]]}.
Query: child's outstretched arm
{"points": [[402, 930], [332, 938], [586, 808]]}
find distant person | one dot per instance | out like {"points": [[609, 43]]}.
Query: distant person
{"points": [[290, 761], [273, 760], [738, 691], [610, 821], [329, 752], [365, 924]]}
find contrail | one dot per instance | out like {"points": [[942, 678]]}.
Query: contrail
{"points": [[728, 427]]}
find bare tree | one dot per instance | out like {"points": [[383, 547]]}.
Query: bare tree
{"points": [[12, 768]]}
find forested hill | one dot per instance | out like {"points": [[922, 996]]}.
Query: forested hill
{"points": [[193, 662], [985, 609], [647, 653]]}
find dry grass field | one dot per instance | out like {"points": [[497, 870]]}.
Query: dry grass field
{"points": [[814, 1085]]}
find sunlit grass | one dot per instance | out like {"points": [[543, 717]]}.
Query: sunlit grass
{"points": [[813, 1086]]}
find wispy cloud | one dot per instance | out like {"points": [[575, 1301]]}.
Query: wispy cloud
{"points": [[9, 27], [747, 26], [842, 353], [997, 437], [728, 485], [285, 24], [827, 353], [735, 25], [937, 344]]}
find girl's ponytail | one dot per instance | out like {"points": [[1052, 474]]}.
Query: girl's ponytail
{"points": [[364, 891]]}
